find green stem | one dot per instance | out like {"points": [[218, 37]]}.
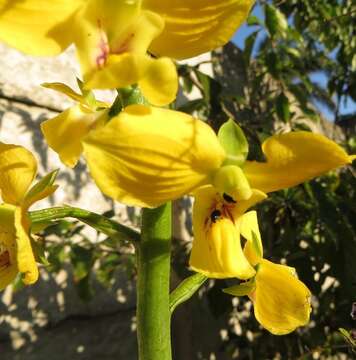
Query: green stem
{"points": [[153, 262], [101, 223]]}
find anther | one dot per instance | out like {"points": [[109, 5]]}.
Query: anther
{"points": [[228, 198]]}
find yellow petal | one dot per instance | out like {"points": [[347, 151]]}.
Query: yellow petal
{"points": [[242, 206], [160, 82], [87, 101], [26, 262], [18, 168], [113, 27], [65, 132], [38, 27], [66, 90], [216, 250], [293, 158], [231, 180], [217, 253], [157, 77], [147, 156], [281, 301], [195, 27], [8, 264], [249, 229]]}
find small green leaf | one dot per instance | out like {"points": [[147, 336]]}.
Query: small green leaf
{"points": [[282, 108], [234, 142], [185, 290], [41, 185], [242, 289], [249, 44], [275, 21], [253, 20], [82, 261]]}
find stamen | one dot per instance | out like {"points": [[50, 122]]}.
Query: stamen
{"points": [[228, 198]]}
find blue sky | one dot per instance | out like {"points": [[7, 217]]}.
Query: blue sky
{"points": [[347, 106]]}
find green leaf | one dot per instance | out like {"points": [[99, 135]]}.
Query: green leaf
{"points": [[82, 260], [234, 142], [185, 290], [275, 21], [242, 289], [253, 20], [249, 43], [41, 185], [282, 108]]}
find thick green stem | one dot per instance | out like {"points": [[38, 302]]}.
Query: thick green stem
{"points": [[153, 262]]}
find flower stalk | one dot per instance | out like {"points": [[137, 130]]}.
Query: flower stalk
{"points": [[153, 268]]}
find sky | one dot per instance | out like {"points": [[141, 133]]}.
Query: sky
{"points": [[346, 107]]}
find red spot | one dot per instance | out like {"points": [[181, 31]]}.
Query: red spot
{"points": [[4, 259]]}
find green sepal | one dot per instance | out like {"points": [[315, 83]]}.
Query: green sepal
{"points": [[41, 185], [88, 95], [234, 142], [242, 289], [257, 245]]}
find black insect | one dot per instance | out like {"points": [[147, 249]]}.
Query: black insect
{"points": [[215, 215], [229, 199]]}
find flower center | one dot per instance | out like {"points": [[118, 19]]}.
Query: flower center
{"points": [[4, 256]]}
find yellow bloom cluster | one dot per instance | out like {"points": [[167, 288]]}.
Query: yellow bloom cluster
{"points": [[146, 155], [18, 168]]}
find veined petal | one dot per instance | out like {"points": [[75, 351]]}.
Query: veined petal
{"points": [[26, 262], [249, 229], [157, 77], [281, 301], [242, 206], [8, 264], [160, 82], [18, 168], [293, 158], [38, 27], [216, 250], [195, 27], [147, 156], [65, 132]]}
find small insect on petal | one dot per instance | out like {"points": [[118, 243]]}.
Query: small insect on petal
{"points": [[215, 215]]}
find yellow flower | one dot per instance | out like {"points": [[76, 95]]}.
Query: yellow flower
{"points": [[281, 301], [218, 224], [17, 170], [64, 133], [113, 37], [146, 156], [293, 158]]}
